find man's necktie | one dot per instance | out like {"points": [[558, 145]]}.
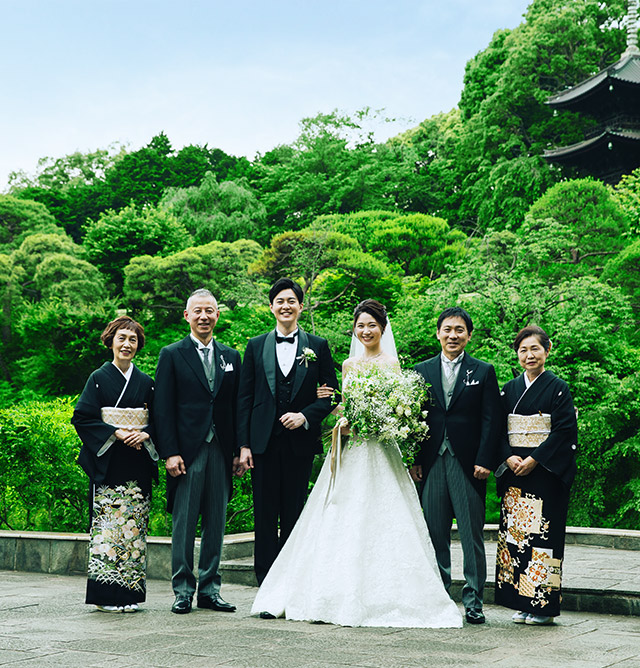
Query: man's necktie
{"points": [[207, 361]]}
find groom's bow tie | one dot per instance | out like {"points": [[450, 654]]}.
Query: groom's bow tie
{"points": [[286, 339]]}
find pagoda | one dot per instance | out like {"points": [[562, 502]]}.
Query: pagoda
{"points": [[612, 98]]}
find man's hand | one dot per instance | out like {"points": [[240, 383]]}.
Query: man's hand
{"points": [[480, 472], [526, 466], [416, 472], [292, 420], [244, 461], [175, 466]]}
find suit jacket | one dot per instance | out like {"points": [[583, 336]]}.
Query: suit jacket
{"points": [[474, 421], [257, 394], [185, 406]]}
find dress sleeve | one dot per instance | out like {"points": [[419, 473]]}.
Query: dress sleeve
{"points": [[557, 453], [95, 434]]}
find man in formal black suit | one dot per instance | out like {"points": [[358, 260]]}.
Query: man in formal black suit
{"points": [[195, 419], [279, 417], [465, 420]]}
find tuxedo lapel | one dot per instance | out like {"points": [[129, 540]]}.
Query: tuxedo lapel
{"points": [[269, 360], [434, 372], [218, 366], [191, 357], [465, 376], [301, 371]]}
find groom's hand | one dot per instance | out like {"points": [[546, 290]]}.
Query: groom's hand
{"points": [[480, 472], [293, 420], [416, 472]]}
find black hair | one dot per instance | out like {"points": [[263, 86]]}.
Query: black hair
{"points": [[456, 312], [285, 284], [375, 309], [532, 330]]}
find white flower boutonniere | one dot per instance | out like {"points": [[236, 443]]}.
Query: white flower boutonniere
{"points": [[308, 355], [467, 381]]}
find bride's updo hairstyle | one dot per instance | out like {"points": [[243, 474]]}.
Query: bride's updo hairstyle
{"points": [[375, 309]]}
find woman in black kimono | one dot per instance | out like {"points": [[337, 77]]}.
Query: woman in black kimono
{"points": [[118, 454], [534, 483]]}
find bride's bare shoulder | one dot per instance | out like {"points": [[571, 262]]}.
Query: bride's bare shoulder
{"points": [[348, 364]]}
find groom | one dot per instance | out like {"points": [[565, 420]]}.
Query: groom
{"points": [[465, 424], [279, 417]]}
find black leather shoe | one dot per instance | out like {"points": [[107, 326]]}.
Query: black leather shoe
{"points": [[182, 605], [474, 616], [215, 603], [266, 615]]}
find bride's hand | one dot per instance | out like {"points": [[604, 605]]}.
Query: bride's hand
{"points": [[345, 427]]}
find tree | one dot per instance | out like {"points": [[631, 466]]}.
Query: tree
{"points": [[69, 279], [19, 218], [216, 212], [623, 270], [112, 240], [418, 243], [575, 227], [162, 284]]}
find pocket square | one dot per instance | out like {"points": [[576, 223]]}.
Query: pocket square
{"points": [[228, 367]]}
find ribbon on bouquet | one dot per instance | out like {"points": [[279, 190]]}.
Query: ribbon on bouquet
{"points": [[335, 456]]}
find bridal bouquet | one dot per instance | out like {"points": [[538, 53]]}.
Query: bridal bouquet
{"points": [[384, 403]]}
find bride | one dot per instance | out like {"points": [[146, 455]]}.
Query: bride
{"points": [[360, 553]]}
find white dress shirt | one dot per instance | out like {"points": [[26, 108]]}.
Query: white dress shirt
{"points": [[286, 352]]}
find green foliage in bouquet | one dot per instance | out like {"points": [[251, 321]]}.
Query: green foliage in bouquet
{"points": [[384, 403]]}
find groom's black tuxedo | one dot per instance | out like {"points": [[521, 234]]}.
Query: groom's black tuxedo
{"points": [[257, 406], [473, 421], [282, 458]]}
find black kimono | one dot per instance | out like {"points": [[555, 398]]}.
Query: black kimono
{"points": [[121, 479], [534, 507]]}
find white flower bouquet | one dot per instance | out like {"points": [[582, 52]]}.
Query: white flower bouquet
{"points": [[384, 403]]}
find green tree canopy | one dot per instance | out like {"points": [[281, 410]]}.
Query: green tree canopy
{"points": [[163, 284], [115, 237], [214, 211]]}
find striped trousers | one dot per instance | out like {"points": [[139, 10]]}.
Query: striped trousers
{"points": [[448, 493]]}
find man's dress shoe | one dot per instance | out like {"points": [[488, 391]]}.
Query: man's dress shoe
{"points": [[214, 602], [474, 616], [266, 615], [182, 605]]}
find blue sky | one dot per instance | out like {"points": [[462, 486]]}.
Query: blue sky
{"points": [[237, 75]]}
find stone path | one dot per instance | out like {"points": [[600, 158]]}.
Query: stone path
{"points": [[43, 623]]}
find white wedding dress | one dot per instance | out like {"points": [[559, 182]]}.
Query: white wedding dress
{"points": [[360, 553]]}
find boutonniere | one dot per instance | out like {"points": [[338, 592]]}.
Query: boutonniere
{"points": [[224, 365], [308, 355], [467, 381]]}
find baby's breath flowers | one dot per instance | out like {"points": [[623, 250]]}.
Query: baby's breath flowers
{"points": [[386, 404]]}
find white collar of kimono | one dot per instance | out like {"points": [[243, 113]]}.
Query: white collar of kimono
{"points": [[200, 345], [528, 383], [127, 373]]}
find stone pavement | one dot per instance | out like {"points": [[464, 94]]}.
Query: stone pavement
{"points": [[43, 622]]}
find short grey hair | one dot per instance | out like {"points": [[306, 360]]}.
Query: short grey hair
{"points": [[200, 292]]}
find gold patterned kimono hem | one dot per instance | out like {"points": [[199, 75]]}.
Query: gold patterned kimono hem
{"points": [[531, 544], [118, 545]]}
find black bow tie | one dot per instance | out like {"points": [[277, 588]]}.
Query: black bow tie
{"points": [[286, 339]]}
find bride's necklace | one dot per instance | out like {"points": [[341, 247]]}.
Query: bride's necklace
{"points": [[372, 357]]}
